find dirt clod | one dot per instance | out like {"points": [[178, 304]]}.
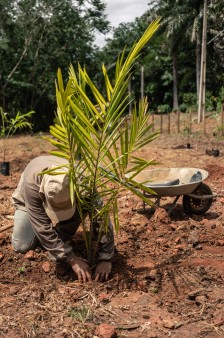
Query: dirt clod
{"points": [[106, 331]]}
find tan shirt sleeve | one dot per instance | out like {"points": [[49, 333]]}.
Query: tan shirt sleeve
{"points": [[43, 227]]}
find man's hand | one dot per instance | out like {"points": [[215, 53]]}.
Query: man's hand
{"points": [[103, 269], [81, 269]]}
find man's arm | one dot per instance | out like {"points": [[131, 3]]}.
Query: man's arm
{"points": [[43, 228]]}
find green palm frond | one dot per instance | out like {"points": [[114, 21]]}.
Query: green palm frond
{"points": [[98, 130], [10, 125]]}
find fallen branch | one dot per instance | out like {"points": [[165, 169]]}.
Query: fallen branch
{"points": [[6, 227]]}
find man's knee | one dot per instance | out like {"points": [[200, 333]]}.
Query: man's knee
{"points": [[23, 236], [21, 246]]}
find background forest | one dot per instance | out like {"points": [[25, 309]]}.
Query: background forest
{"points": [[39, 36]]}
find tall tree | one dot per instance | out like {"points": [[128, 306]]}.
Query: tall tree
{"points": [[37, 37], [184, 20], [175, 23]]}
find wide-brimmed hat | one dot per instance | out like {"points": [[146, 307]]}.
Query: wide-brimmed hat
{"points": [[55, 193]]}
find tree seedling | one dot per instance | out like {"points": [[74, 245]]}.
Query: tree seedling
{"points": [[93, 133], [21, 270], [9, 125]]}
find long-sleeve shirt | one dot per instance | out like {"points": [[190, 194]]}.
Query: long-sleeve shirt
{"points": [[27, 197]]}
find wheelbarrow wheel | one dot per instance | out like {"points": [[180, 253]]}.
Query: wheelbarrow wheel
{"points": [[198, 206]]}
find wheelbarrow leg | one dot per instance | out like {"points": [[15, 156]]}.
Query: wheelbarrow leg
{"points": [[173, 205], [157, 202]]}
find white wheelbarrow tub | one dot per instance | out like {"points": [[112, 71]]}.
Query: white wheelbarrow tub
{"points": [[170, 181]]}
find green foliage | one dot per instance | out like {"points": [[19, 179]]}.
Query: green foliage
{"points": [[10, 125], [219, 100], [181, 33], [106, 140], [81, 314], [37, 37], [157, 63], [218, 132], [210, 101], [190, 99], [164, 109], [221, 95], [22, 270], [183, 108], [154, 289]]}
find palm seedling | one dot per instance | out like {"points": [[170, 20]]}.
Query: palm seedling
{"points": [[9, 125], [99, 142]]}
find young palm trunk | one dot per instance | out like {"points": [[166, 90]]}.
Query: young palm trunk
{"points": [[175, 82]]}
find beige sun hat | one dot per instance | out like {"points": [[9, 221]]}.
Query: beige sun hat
{"points": [[55, 193]]}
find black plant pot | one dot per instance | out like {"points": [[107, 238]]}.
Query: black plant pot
{"points": [[188, 145], [4, 168], [215, 152]]}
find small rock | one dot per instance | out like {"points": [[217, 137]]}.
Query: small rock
{"points": [[161, 215], [31, 255], [193, 294], [193, 238], [46, 267], [105, 331], [169, 324], [103, 298], [151, 275], [180, 246], [198, 247], [37, 249]]}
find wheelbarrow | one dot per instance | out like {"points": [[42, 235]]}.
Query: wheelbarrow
{"points": [[177, 182]]}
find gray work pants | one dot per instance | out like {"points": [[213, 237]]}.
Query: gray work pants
{"points": [[24, 237]]}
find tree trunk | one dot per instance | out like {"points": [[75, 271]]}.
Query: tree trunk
{"points": [[198, 63], [175, 82]]}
